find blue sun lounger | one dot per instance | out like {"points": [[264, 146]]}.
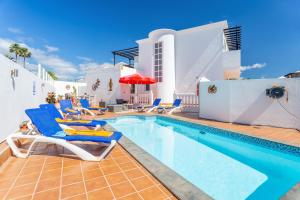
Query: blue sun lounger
{"points": [[49, 131], [155, 104], [170, 109], [67, 108], [85, 104], [55, 114]]}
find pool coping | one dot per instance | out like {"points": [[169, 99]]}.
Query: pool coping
{"points": [[179, 186]]}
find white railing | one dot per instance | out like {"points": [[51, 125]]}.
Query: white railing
{"points": [[44, 75], [144, 98], [190, 101]]}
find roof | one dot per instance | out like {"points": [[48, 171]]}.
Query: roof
{"points": [[129, 53]]}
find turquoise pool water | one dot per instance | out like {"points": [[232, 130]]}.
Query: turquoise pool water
{"points": [[223, 167]]}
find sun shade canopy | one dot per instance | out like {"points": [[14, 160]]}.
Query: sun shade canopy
{"points": [[137, 79]]}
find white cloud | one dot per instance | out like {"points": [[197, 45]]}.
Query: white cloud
{"points": [[93, 65], [54, 62], [63, 69], [254, 66], [15, 30], [51, 48], [4, 45], [86, 59]]}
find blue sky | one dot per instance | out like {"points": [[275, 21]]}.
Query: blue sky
{"points": [[70, 36]]}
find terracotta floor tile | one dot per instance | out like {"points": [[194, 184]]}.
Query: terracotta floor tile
{"points": [[103, 194], [96, 183], [92, 174], [5, 184], [142, 183], [167, 192], [21, 191], [48, 194], [128, 166], [133, 196], [2, 194], [69, 179], [152, 193], [71, 170], [30, 170], [78, 197], [122, 189], [107, 162], [116, 178], [87, 166], [122, 159], [110, 170], [36, 164], [27, 197], [134, 173], [48, 184], [31, 178], [52, 166], [53, 159], [72, 190], [69, 163], [50, 174]]}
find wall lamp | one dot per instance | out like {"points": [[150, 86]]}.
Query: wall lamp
{"points": [[14, 73]]}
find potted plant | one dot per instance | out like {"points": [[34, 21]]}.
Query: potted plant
{"points": [[51, 98]]}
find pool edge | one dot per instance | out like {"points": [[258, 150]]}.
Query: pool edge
{"points": [[178, 185]]}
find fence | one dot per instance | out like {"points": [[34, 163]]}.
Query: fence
{"points": [[190, 102], [143, 98]]}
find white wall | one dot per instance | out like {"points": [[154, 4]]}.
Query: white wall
{"points": [[61, 89], [104, 74], [245, 102], [199, 52], [17, 94]]}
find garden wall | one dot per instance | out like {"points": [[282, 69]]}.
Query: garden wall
{"points": [[245, 102], [18, 93]]}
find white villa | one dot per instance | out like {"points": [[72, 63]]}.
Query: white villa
{"points": [[176, 59]]}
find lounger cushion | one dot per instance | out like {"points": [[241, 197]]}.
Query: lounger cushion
{"points": [[88, 132], [67, 107], [85, 104], [115, 136], [92, 123], [43, 121], [52, 110], [54, 113], [47, 126]]}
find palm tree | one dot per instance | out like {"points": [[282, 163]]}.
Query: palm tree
{"points": [[15, 48], [25, 54], [53, 75]]}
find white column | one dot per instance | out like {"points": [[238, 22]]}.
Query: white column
{"points": [[39, 71], [166, 88], [44, 74]]}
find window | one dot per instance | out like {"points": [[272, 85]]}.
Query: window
{"points": [[158, 74], [147, 88], [132, 89]]}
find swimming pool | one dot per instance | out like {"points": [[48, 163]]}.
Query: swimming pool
{"points": [[223, 164]]}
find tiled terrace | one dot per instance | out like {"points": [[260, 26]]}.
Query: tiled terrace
{"points": [[281, 135], [52, 173], [48, 176]]}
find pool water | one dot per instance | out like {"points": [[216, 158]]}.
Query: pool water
{"points": [[222, 167]]}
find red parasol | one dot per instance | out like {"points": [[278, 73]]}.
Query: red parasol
{"points": [[137, 79]]}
